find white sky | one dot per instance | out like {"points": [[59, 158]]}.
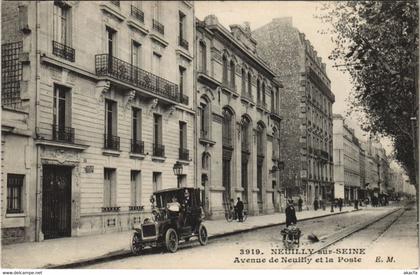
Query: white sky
{"points": [[259, 13]]}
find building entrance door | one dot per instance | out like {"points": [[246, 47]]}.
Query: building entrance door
{"points": [[56, 201]]}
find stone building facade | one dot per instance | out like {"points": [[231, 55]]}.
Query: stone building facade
{"points": [[346, 148], [306, 108], [238, 120], [93, 118]]}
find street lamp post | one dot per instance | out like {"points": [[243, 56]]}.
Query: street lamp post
{"points": [[177, 172]]}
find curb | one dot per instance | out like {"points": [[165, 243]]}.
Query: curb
{"points": [[127, 253]]}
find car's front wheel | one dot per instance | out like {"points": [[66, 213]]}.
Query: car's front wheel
{"points": [[171, 240], [136, 246], [202, 234]]}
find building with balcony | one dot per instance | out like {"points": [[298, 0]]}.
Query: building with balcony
{"points": [[306, 109], [96, 110], [238, 120], [347, 149]]}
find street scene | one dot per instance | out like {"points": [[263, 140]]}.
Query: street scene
{"points": [[209, 134]]}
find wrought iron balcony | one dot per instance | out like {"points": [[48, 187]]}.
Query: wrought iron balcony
{"points": [[137, 146], [158, 26], [111, 209], [324, 154], [158, 150], [63, 51], [183, 43], [111, 142], [184, 154], [106, 65], [137, 13], [63, 134]]}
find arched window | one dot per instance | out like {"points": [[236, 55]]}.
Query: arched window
{"points": [[232, 75], [273, 99], [225, 70], [205, 159], [204, 112], [227, 127], [243, 81], [258, 92], [249, 85], [203, 57], [263, 94]]}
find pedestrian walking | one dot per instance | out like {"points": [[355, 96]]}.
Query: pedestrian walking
{"points": [[322, 204], [240, 210], [315, 204], [340, 204], [356, 204], [300, 202], [290, 214]]}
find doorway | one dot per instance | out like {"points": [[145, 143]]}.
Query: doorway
{"points": [[56, 201]]}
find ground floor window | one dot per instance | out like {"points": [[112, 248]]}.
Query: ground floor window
{"points": [[14, 193]]}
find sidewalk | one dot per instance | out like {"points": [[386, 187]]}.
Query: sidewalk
{"points": [[74, 250]]}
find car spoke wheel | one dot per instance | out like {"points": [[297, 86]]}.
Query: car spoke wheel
{"points": [[229, 216], [171, 240], [135, 246], [202, 235]]}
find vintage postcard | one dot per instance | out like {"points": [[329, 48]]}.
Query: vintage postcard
{"points": [[209, 135]]}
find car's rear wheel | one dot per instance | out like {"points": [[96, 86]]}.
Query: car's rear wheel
{"points": [[171, 240], [202, 234], [136, 247]]}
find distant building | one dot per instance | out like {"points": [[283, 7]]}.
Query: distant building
{"points": [[306, 107], [346, 161], [238, 120]]}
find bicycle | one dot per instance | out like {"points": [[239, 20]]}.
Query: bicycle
{"points": [[291, 236], [231, 215]]}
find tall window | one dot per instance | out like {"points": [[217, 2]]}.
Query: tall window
{"points": [[111, 139], [182, 135], [135, 53], [183, 151], [204, 120], [137, 145], [263, 94], [258, 92], [156, 63], [135, 187], [181, 81], [227, 127], [203, 57], [225, 70], [181, 26], [14, 193], [156, 10], [110, 198], [111, 41], [157, 181], [62, 23], [158, 147], [249, 84], [273, 99], [277, 99], [232, 75], [61, 115], [243, 82]]}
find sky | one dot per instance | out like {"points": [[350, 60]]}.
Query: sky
{"points": [[259, 13]]}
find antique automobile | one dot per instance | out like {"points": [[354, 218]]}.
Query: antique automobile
{"points": [[168, 226]]}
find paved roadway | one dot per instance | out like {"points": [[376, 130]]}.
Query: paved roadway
{"points": [[263, 248]]}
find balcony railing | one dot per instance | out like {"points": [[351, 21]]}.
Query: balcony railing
{"points": [[158, 150], [184, 154], [183, 43], [137, 146], [111, 142], [63, 134], [137, 13], [158, 26], [106, 65], [63, 51]]}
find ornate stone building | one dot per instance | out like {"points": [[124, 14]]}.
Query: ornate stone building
{"points": [[96, 109], [306, 109], [237, 119]]}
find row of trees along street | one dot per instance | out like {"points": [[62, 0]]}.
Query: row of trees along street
{"points": [[377, 43]]}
